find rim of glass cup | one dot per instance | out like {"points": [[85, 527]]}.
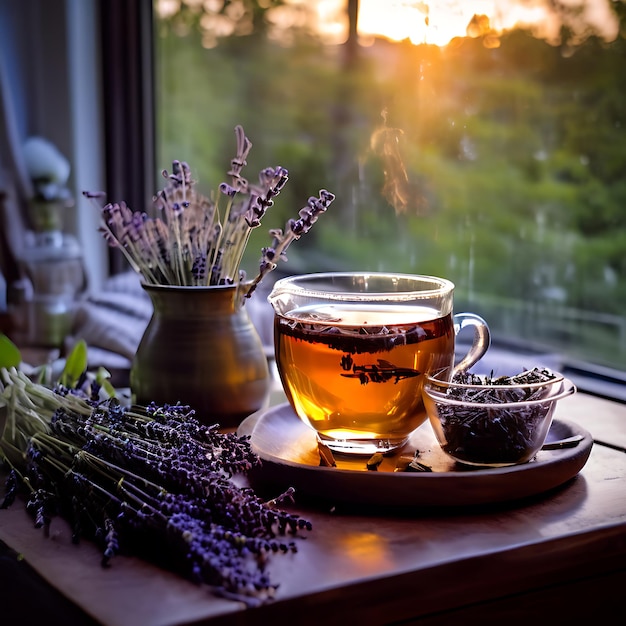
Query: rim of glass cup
{"points": [[437, 396], [443, 286]]}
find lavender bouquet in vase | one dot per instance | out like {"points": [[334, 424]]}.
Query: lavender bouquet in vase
{"points": [[200, 348]]}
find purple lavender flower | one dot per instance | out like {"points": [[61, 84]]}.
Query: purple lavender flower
{"points": [[294, 229], [228, 190], [194, 241]]}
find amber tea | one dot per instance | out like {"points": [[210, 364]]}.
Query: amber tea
{"points": [[353, 350], [355, 372]]}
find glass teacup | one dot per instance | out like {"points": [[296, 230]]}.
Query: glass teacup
{"points": [[353, 349]]}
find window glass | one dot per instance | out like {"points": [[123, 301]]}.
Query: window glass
{"points": [[483, 141]]}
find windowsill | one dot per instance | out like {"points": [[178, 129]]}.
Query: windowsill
{"points": [[506, 358]]}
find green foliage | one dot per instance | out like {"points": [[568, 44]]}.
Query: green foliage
{"points": [[513, 162], [75, 365], [10, 355], [73, 373]]}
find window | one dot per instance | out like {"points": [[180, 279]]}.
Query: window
{"points": [[490, 148]]}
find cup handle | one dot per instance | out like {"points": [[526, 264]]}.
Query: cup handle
{"points": [[482, 339]]}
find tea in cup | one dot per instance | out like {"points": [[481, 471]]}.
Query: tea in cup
{"points": [[353, 349]]}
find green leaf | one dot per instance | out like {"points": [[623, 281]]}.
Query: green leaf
{"points": [[102, 378], [10, 356], [75, 365]]}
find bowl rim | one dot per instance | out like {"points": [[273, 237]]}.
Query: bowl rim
{"points": [[432, 379], [568, 388]]}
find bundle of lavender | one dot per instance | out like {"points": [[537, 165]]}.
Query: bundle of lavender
{"points": [[150, 481], [194, 242]]}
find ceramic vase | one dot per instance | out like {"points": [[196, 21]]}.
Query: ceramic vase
{"points": [[201, 349]]}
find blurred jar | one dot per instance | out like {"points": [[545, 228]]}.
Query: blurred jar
{"points": [[53, 263]]}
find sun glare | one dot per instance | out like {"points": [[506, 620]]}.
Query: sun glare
{"points": [[419, 21], [422, 22], [439, 21]]}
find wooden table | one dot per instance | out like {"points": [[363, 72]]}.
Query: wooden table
{"points": [[557, 558]]}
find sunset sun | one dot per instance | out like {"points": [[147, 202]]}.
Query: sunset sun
{"points": [[439, 21]]}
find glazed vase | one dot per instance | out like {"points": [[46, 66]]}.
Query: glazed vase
{"points": [[201, 349]]}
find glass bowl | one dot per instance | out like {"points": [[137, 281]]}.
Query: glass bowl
{"points": [[480, 421]]}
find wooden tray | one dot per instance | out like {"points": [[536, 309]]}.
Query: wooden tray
{"points": [[290, 455]]}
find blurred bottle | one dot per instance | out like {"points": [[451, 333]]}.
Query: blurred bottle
{"points": [[53, 263]]}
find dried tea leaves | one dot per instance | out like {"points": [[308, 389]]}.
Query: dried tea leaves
{"points": [[498, 434]]}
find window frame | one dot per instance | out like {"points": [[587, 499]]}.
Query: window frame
{"points": [[126, 30]]}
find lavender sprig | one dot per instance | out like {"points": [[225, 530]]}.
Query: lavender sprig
{"points": [[193, 241], [294, 229], [149, 480]]}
